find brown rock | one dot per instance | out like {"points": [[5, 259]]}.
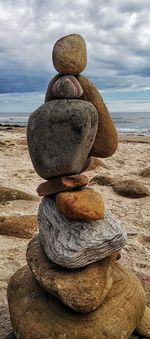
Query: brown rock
{"points": [[145, 173], [10, 336], [102, 180], [48, 95], [20, 226], [106, 140], [145, 280], [144, 325], [34, 314], [93, 163], [8, 194], [62, 184], [69, 54], [81, 289], [66, 87], [84, 204], [130, 188]]}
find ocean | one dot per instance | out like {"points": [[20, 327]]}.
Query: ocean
{"points": [[137, 123]]}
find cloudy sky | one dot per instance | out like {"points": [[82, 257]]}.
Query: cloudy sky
{"points": [[117, 33]]}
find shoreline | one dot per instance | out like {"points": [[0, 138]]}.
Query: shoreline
{"points": [[123, 137]]}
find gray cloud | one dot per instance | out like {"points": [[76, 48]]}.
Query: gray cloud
{"points": [[116, 32]]}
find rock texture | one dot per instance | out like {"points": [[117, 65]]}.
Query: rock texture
{"points": [[74, 243], [106, 140], [60, 135], [41, 316], [144, 325], [62, 184], [82, 289], [145, 172], [84, 204], [130, 188], [69, 54], [66, 87], [48, 95], [103, 180], [20, 226], [9, 194]]}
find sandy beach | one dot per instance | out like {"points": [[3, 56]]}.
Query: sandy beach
{"points": [[16, 171]]}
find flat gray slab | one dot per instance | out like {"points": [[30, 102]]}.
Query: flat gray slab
{"points": [[72, 243]]}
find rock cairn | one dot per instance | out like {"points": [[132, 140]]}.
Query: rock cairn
{"points": [[73, 285]]}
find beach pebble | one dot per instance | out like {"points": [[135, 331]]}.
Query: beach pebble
{"points": [[9, 194], [84, 204], [130, 188], [66, 87], [62, 184], [77, 243], [145, 172], [106, 140], [69, 54], [60, 135], [103, 180], [82, 289], [20, 226], [36, 314]]}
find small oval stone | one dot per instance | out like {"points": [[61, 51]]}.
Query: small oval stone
{"points": [[84, 204], [69, 54], [66, 87]]}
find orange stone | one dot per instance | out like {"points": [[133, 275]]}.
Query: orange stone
{"points": [[84, 204]]}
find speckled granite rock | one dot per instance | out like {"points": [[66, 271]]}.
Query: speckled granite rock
{"points": [[34, 314], [74, 243], [106, 140], [69, 54], [82, 289], [83, 204], [60, 135], [66, 87]]}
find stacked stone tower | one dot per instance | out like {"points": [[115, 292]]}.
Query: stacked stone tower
{"points": [[73, 286]]}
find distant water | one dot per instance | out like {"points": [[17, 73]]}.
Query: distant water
{"points": [[130, 122]]}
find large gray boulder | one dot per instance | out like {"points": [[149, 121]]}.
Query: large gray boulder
{"points": [[60, 136]]}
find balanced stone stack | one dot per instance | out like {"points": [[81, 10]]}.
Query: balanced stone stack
{"points": [[73, 286]]}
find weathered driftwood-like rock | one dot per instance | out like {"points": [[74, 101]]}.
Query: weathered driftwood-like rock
{"points": [[83, 289], [34, 314], [72, 243]]}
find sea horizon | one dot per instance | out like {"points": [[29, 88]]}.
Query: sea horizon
{"points": [[137, 123]]}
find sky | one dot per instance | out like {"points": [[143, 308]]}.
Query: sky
{"points": [[117, 35]]}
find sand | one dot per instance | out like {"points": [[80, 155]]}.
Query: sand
{"points": [[16, 171]]}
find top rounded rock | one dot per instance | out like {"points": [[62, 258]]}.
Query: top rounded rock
{"points": [[69, 54]]}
